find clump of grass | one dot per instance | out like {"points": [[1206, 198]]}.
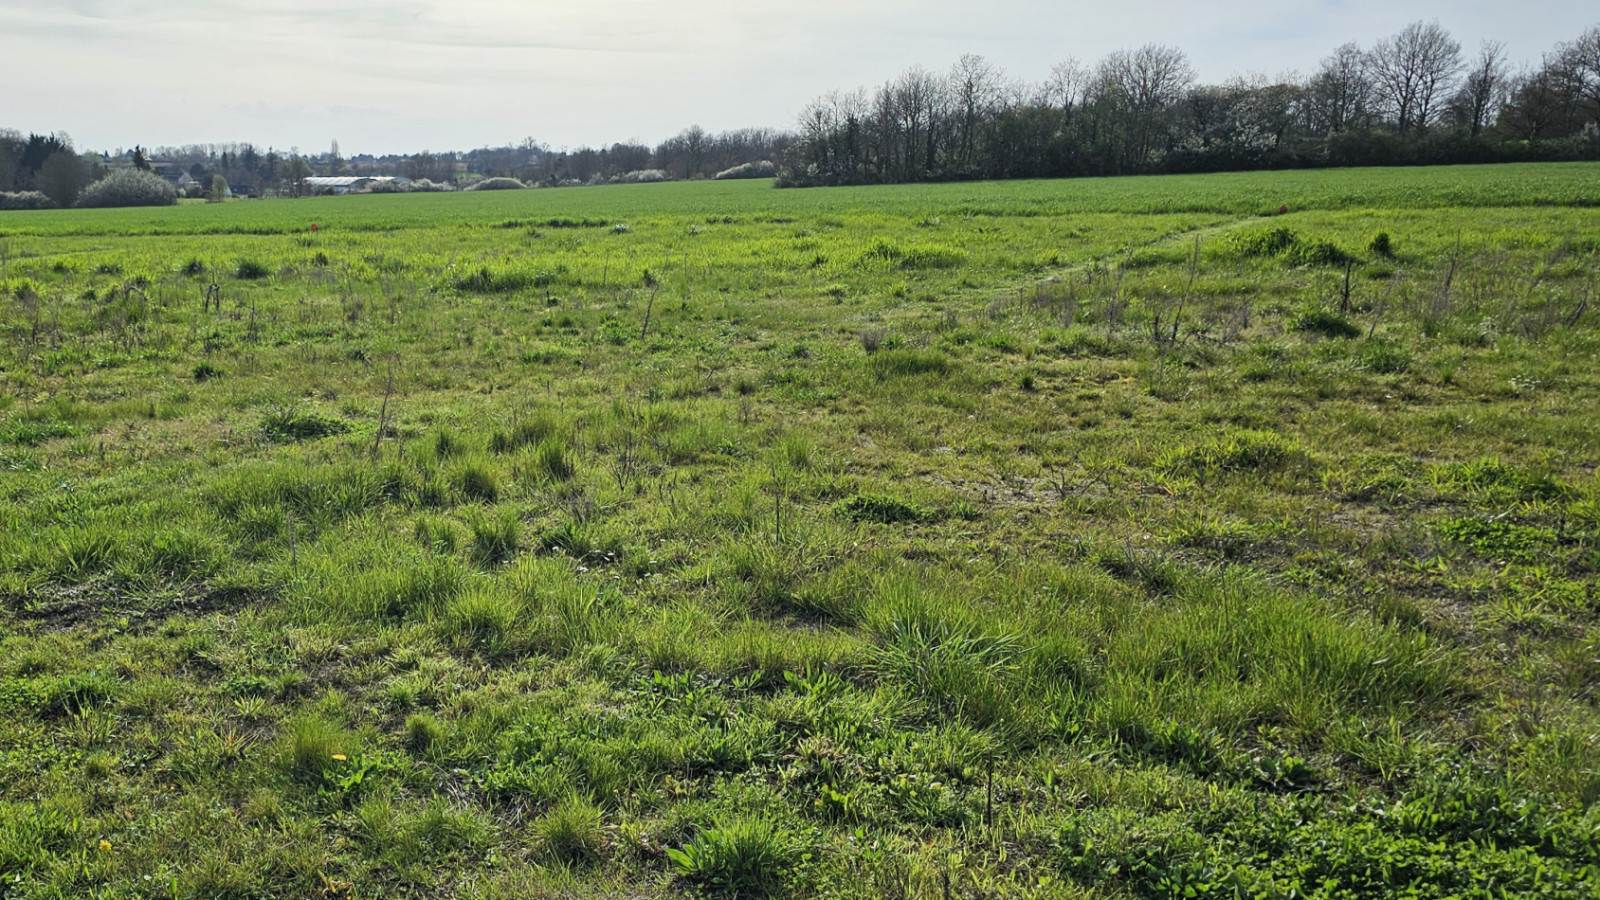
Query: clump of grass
{"points": [[1327, 324], [485, 280], [576, 541], [1240, 451], [1384, 357], [437, 534], [1317, 253], [553, 461], [1381, 245], [744, 857], [312, 747], [1287, 244], [483, 618], [523, 434], [889, 363], [880, 508], [572, 831], [447, 443], [423, 732], [288, 424], [495, 539], [251, 270], [206, 371], [478, 483], [1269, 242]]}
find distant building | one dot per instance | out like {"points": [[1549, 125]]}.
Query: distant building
{"points": [[344, 184]]}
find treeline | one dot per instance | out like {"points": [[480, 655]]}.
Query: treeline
{"points": [[1413, 98], [42, 171], [690, 154]]}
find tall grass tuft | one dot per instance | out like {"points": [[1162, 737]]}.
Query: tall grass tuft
{"points": [[572, 831], [310, 745], [553, 460], [495, 538], [744, 857]]}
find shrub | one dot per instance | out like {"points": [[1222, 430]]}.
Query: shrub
{"points": [[128, 187], [25, 200], [643, 176], [758, 169], [498, 184]]}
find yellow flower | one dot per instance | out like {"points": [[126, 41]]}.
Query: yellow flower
{"points": [[340, 757], [105, 846]]}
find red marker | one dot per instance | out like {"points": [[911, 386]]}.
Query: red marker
{"points": [[314, 226]]}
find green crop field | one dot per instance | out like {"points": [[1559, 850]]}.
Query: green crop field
{"points": [[1103, 538]]}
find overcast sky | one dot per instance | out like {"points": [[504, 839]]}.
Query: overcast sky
{"points": [[386, 76]]}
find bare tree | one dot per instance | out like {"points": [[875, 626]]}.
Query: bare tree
{"points": [[1581, 60], [909, 114], [1483, 91], [1067, 86], [975, 89], [1133, 93], [1339, 96], [1412, 73]]}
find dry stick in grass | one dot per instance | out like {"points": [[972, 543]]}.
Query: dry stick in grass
{"points": [[383, 411], [647, 309]]}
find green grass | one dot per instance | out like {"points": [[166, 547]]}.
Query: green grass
{"points": [[1036, 539]]}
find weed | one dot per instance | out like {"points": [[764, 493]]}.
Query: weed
{"points": [[742, 857]]}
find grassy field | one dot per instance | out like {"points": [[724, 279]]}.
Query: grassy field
{"points": [[1103, 538]]}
